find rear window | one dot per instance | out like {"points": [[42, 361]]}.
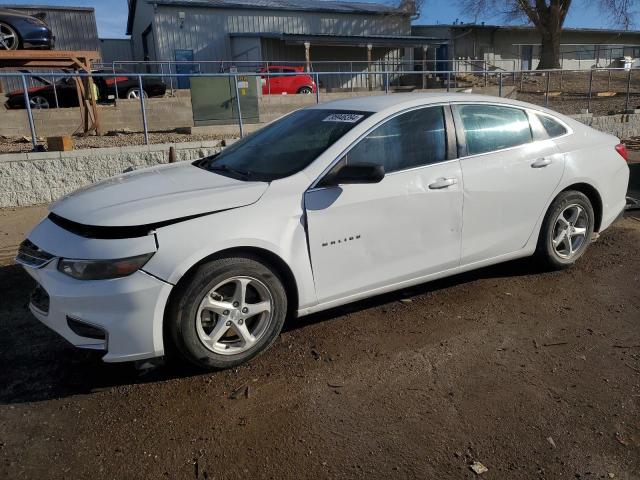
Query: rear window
{"points": [[551, 126], [492, 127]]}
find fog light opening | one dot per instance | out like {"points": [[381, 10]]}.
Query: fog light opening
{"points": [[86, 330]]}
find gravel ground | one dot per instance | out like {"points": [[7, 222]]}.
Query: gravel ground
{"points": [[23, 144], [534, 374]]}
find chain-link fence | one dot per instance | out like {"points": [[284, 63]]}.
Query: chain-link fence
{"points": [[599, 91]]}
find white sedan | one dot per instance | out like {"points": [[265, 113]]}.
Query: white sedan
{"points": [[325, 206]]}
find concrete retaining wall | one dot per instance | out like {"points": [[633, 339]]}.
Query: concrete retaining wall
{"points": [[162, 114], [40, 178]]}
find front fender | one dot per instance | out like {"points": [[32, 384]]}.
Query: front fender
{"points": [[183, 245]]}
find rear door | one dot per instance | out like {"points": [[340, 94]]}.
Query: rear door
{"points": [[364, 237], [290, 82], [509, 175]]}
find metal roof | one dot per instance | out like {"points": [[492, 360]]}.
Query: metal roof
{"points": [[295, 5], [329, 6], [345, 40], [525, 28]]}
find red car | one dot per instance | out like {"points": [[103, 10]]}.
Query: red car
{"points": [[289, 84]]}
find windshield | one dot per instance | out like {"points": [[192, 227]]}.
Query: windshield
{"points": [[283, 147]]}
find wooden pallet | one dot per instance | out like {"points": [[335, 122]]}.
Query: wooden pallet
{"points": [[75, 59]]}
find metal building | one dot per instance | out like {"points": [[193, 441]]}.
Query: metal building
{"points": [[509, 47], [370, 36], [115, 50]]}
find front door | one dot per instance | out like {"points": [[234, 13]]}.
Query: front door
{"points": [[508, 179], [363, 237], [273, 83]]}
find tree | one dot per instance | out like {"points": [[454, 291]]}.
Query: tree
{"points": [[548, 17]]}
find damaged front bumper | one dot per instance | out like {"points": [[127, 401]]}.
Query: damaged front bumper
{"points": [[122, 316]]}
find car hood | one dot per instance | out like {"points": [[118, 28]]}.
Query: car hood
{"points": [[156, 195]]}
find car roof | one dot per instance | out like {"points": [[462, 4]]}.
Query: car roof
{"points": [[399, 101]]}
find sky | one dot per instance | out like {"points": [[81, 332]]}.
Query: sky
{"points": [[111, 15]]}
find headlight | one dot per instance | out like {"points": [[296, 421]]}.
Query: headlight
{"points": [[102, 269]]}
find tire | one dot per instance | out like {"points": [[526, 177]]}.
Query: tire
{"points": [[305, 90], [9, 38], [207, 329], [566, 230], [38, 102], [134, 93]]}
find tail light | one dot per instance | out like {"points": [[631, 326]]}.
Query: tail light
{"points": [[621, 148]]}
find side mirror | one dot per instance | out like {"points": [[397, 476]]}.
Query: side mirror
{"points": [[355, 174]]}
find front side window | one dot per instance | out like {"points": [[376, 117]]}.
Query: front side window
{"points": [[283, 147], [551, 126], [491, 127], [409, 140]]}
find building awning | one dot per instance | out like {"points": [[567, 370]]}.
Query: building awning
{"points": [[348, 40]]}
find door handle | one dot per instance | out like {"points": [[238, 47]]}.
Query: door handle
{"points": [[541, 162], [443, 183]]}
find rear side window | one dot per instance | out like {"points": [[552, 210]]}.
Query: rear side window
{"points": [[491, 127], [409, 140], [552, 127]]}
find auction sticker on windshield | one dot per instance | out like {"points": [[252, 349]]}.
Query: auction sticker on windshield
{"points": [[343, 117]]}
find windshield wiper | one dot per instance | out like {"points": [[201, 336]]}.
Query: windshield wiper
{"points": [[226, 168]]}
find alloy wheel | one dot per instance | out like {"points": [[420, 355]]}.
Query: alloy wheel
{"points": [[39, 102], [234, 315], [8, 37], [570, 231], [135, 94]]}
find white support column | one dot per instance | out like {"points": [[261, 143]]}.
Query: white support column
{"points": [[307, 55], [369, 61], [424, 66]]}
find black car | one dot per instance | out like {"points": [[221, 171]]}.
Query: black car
{"points": [[20, 31], [127, 84]]}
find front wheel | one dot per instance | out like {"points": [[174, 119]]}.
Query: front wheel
{"points": [[566, 231], [305, 90], [231, 310]]}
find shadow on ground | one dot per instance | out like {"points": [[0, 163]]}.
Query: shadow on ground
{"points": [[40, 365]]}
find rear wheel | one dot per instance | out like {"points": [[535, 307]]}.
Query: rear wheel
{"points": [[305, 90], [134, 93], [230, 311], [566, 231], [9, 39]]}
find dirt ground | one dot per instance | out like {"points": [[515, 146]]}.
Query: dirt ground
{"points": [[534, 374]]}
